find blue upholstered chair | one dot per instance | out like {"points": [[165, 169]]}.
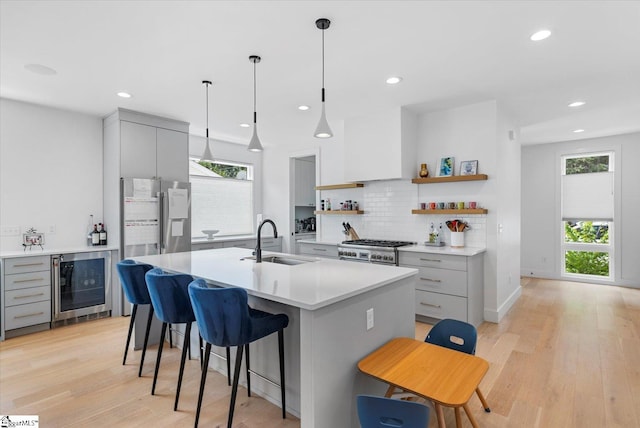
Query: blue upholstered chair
{"points": [[172, 305], [225, 319], [131, 276], [459, 336], [382, 412]]}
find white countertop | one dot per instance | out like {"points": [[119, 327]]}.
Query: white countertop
{"points": [[37, 251], [310, 286], [417, 248]]}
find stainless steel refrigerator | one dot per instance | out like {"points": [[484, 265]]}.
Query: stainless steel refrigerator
{"points": [[155, 218]]}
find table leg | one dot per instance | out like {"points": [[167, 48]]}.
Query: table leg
{"points": [[440, 415], [468, 412], [458, 418], [390, 390]]}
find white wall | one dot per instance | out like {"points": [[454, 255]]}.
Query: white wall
{"points": [[540, 250], [50, 173], [474, 132]]}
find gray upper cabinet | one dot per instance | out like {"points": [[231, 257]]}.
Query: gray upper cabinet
{"points": [[305, 187], [381, 146], [152, 152]]}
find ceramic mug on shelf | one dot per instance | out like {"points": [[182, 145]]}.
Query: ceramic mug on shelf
{"points": [[460, 205], [432, 205], [440, 205], [472, 205], [452, 205], [423, 205]]}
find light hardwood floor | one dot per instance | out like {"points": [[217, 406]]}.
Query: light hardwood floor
{"points": [[566, 355]]}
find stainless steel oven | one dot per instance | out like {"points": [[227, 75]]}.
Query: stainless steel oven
{"points": [[81, 284], [371, 251]]}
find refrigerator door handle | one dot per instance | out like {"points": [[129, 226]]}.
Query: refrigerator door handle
{"points": [[55, 274], [160, 243]]}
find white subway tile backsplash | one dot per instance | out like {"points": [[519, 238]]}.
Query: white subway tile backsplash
{"points": [[387, 206]]}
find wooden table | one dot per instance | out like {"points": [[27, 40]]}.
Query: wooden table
{"points": [[444, 376]]}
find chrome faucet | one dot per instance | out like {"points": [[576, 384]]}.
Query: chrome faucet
{"points": [[258, 251]]}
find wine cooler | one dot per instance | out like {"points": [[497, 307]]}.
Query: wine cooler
{"points": [[81, 284]]}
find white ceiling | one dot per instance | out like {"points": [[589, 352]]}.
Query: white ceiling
{"points": [[450, 53]]}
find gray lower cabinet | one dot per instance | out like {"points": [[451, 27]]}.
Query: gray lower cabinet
{"points": [[329, 251], [448, 286], [27, 292]]}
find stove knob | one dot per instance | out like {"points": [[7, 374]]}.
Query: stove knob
{"points": [[386, 257]]}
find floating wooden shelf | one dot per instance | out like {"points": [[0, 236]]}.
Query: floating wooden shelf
{"points": [[344, 212], [340, 186], [447, 211], [450, 179]]}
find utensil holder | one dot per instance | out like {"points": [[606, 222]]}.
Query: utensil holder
{"points": [[457, 239]]}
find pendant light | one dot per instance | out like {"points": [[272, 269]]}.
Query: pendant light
{"points": [[207, 155], [323, 130], [254, 144]]}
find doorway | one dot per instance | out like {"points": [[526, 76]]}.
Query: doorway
{"points": [[303, 177]]}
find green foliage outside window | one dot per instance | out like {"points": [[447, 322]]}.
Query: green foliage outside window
{"points": [[588, 164], [227, 171], [587, 262]]}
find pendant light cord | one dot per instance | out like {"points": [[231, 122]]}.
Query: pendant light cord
{"points": [[254, 93], [207, 111], [323, 65]]}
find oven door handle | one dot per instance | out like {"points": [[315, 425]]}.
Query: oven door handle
{"points": [[353, 260]]}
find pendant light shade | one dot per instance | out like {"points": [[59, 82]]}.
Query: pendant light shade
{"points": [[207, 155], [254, 144], [323, 130]]}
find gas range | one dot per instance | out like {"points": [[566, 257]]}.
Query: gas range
{"points": [[371, 251]]}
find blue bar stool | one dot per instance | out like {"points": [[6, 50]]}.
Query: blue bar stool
{"points": [[131, 276], [170, 300], [225, 319]]}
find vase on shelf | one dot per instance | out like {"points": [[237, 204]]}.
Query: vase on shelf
{"points": [[424, 172]]}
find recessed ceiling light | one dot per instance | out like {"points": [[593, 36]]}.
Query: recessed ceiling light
{"points": [[40, 69], [124, 95], [394, 80], [303, 108], [245, 125], [540, 35], [578, 130], [577, 104]]}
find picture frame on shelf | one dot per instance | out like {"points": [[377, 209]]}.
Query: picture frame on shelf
{"points": [[446, 166], [469, 167]]}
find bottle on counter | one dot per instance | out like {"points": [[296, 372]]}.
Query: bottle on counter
{"points": [[103, 234], [328, 204], [95, 235], [90, 230]]}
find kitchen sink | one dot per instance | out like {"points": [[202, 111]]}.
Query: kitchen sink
{"points": [[282, 260]]}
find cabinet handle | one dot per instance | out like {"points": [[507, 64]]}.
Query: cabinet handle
{"points": [[320, 249], [26, 296], [431, 260], [430, 280], [28, 315], [430, 305], [28, 264], [28, 280]]}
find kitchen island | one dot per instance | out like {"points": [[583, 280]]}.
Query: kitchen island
{"points": [[327, 303]]}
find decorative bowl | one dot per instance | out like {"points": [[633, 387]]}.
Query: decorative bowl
{"points": [[210, 233]]}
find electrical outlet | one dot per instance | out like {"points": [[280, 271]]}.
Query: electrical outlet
{"points": [[10, 231], [369, 319]]}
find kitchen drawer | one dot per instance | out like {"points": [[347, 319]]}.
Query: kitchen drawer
{"points": [[27, 264], [27, 295], [26, 315], [446, 281], [441, 306], [205, 246], [442, 261], [27, 280], [245, 243], [319, 250]]}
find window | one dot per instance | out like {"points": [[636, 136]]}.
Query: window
{"points": [[587, 215], [221, 197]]}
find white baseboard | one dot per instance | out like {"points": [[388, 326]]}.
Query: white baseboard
{"points": [[496, 316]]}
